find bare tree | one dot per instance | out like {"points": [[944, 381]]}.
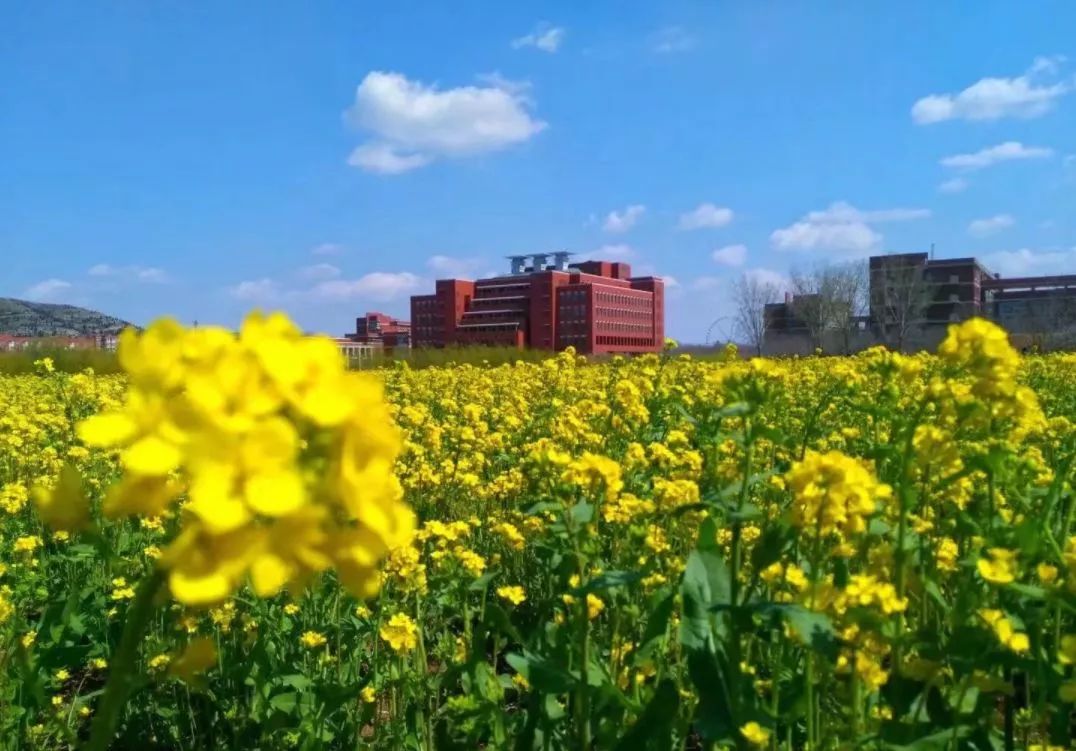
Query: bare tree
{"points": [[847, 297], [830, 299], [900, 297], [751, 294]]}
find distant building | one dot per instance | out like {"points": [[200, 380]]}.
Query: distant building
{"points": [[546, 303], [11, 343], [381, 330], [919, 296]]}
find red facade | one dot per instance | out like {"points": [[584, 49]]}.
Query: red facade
{"points": [[380, 329], [595, 306]]}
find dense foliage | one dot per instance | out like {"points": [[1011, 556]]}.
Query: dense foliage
{"points": [[874, 551], [26, 318]]}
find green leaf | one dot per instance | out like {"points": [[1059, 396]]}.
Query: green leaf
{"points": [[814, 629], [608, 580], [480, 583], [937, 741], [1028, 590], [713, 716], [654, 727], [656, 625], [543, 675], [286, 702], [583, 512], [296, 681], [706, 583]]}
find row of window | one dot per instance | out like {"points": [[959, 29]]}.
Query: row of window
{"points": [[639, 300], [625, 341], [619, 326], [624, 312]]}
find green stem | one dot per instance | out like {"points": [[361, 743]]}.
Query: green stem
{"points": [[123, 673]]}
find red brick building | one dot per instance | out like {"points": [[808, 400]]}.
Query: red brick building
{"points": [[382, 330], [594, 306]]}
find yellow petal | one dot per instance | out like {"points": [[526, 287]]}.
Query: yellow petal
{"points": [[192, 588], [107, 429], [64, 507], [151, 456], [269, 574], [214, 502], [275, 494]]}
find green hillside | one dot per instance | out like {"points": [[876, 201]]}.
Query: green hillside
{"points": [[24, 318]]}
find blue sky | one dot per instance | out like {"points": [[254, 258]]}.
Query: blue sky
{"points": [[202, 159]]}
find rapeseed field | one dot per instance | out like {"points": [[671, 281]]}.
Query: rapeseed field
{"points": [[237, 543]]}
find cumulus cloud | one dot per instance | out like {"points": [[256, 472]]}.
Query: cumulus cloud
{"points": [[956, 185], [381, 286], [48, 290], [412, 124], [319, 272], [707, 283], [622, 221], [840, 227], [450, 267], [672, 39], [730, 255], [1025, 96], [706, 215], [1028, 262], [1003, 152], [256, 290], [139, 274], [769, 276], [611, 252], [327, 249], [544, 37], [990, 225]]}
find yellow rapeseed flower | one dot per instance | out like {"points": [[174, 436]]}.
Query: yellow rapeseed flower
{"points": [[400, 633]]}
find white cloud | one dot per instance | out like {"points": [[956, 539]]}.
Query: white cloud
{"points": [[671, 282], [379, 285], [956, 185], [48, 290], [139, 274], [990, 225], [841, 227], [768, 276], [327, 249], [612, 252], [707, 283], [994, 98], [319, 272], [413, 124], [385, 159], [1027, 262], [672, 39], [256, 290], [730, 255], [151, 275], [706, 215], [545, 37], [449, 267], [622, 221], [1003, 152]]}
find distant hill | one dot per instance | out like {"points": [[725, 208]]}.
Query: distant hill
{"points": [[24, 318]]}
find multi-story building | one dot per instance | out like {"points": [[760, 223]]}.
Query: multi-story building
{"points": [[594, 306], [9, 342], [381, 330], [912, 298]]}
